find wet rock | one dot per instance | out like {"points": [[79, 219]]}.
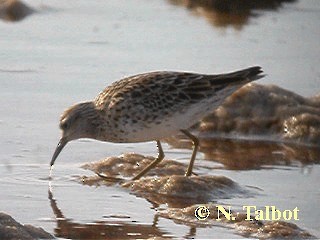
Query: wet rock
{"points": [[129, 164], [14, 10], [165, 183], [266, 112], [119, 169], [199, 187], [182, 195], [178, 190], [11, 229], [246, 228]]}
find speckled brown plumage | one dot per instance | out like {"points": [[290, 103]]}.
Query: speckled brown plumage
{"points": [[150, 106]]}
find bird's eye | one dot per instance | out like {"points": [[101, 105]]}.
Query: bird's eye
{"points": [[64, 124]]}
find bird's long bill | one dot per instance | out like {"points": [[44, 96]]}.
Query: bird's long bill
{"points": [[59, 148]]}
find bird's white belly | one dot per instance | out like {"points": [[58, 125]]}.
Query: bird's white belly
{"points": [[171, 125]]}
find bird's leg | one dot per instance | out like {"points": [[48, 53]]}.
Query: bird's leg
{"points": [[153, 164], [195, 142]]}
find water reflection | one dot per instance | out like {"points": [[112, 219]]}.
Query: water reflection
{"points": [[176, 209], [224, 13], [176, 197], [67, 228], [247, 155], [259, 126]]}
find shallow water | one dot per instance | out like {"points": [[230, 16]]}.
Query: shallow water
{"points": [[66, 52]]}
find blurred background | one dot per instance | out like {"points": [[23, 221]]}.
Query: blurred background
{"points": [[56, 53]]}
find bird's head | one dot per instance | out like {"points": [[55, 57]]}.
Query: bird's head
{"points": [[76, 122]]}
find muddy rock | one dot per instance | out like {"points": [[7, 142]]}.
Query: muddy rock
{"points": [[266, 112], [11, 229], [252, 229], [14, 10]]}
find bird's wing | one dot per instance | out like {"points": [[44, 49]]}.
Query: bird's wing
{"points": [[171, 88]]}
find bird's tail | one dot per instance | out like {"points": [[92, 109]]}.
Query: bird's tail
{"points": [[251, 73], [240, 77]]}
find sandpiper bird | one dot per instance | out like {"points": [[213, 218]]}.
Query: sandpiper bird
{"points": [[149, 107]]}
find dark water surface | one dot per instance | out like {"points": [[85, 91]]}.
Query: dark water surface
{"points": [[66, 52]]}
